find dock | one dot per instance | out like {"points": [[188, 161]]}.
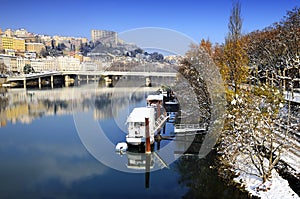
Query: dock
{"points": [[183, 128]]}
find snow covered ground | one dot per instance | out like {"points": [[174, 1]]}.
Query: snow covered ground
{"points": [[276, 188]]}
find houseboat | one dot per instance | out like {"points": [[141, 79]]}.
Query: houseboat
{"points": [[137, 125]]}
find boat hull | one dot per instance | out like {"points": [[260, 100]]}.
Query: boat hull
{"points": [[136, 141]]}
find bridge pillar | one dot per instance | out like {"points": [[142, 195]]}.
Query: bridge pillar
{"points": [[108, 81], [51, 81], [87, 79], [40, 83], [24, 83], [67, 80], [148, 82]]}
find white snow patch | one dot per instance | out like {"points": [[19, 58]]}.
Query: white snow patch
{"points": [[276, 188]]}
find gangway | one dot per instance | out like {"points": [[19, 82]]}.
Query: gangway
{"points": [[160, 122], [182, 128]]}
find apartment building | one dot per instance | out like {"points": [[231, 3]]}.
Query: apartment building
{"points": [[34, 47], [97, 35], [10, 62], [12, 43], [22, 33], [18, 44], [67, 63], [6, 42]]}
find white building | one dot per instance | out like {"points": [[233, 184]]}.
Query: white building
{"points": [[10, 62], [21, 63], [22, 33], [66, 63], [37, 65]]}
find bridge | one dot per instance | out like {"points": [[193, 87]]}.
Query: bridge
{"points": [[120, 73], [66, 76]]}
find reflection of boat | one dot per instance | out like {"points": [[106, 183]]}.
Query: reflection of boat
{"points": [[147, 162], [139, 160]]}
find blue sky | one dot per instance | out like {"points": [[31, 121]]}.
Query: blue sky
{"points": [[197, 19]]}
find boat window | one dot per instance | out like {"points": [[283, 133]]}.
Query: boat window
{"points": [[139, 124]]}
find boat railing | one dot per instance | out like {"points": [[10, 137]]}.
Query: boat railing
{"points": [[190, 126], [159, 122]]}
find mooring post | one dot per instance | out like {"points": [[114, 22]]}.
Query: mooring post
{"points": [[158, 109], [148, 147]]}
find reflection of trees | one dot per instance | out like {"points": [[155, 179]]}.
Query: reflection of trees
{"points": [[202, 180], [3, 103], [108, 104], [55, 105]]}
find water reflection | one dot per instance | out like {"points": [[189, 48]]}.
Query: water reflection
{"points": [[202, 180], [24, 106], [42, 156]]}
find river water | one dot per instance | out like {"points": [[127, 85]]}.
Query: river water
{"points": [[59, 143]]}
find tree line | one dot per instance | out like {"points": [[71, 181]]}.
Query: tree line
{"points": [[256, 68]]}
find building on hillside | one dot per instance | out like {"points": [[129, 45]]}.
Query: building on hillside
{"points": [[50, 63], [9, 33], [67, 63], [6, 42], [12, 43], [30, 55], [35, 47], [21, 62], [19, 45], [10, 62], [91, 66], [22, 33], [104, 35], [37, 65]]}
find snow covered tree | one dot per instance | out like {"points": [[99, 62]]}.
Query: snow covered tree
{"points": [[253, 132]]}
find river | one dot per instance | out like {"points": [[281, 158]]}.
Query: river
{"points": [[58, 143]]}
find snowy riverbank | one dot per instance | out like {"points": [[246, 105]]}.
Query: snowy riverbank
{"points": [[275, 188]]}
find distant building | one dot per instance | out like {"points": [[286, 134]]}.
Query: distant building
{"points": [[19, 44], [34, 47], [67, 63], [9, 33], [6, 42], [10, 62], [104, 35], [12, 43], [30, 55], [22, 33]]}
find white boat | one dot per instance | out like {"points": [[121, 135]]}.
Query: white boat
{"points": [[121, 147], [154, 100], [137, 126]]}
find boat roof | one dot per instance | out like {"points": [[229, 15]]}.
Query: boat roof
{"points": [[155, 97], [139, 114]]}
